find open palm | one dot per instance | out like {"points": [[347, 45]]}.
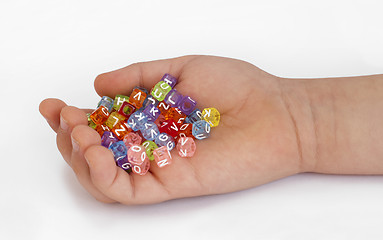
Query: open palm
{"points": [[255, 142]]}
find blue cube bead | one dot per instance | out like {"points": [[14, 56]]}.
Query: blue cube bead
{"points": [[106, 102], [137, 120], [164, 139], [201, 129], [193, 117], [108, 138], [150, 101], [150, 131], [119, 150]]}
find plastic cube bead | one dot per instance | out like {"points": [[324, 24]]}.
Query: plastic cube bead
{"points": [[123, 163], [160, 90], [149, 147], [108, 138], [159, 121], [150, 101], [150, 131], [186, 146], [201, 129], [170, 127], [169, 79], [137, 97], [138, 158], [137, 120], [212, 116], [119, 100], [106, 102], [100, 115], [164, 139], [162, 156], [118, 149], [163, 107], [126, 109], [186, 130], [101, 128], [194, 116], [90, 122], [131, 139], [121, 129], [152, 112], [173, 98], [176, 115], [187, 105], [113, 119]]}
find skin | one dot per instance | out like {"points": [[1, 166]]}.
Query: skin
{"points": [[270, 128]]}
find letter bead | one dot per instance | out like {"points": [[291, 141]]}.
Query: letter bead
{"points": [[169, 79], [137, 97], [212, 116], [100, 115], [201, 129], [186, 146], [160, 90], [162, 156]]}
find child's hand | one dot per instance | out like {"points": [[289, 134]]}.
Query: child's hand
{"points": [[255, 143]]}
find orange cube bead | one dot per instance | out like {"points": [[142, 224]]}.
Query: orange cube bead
{"points": [[163, 107], [101, 128], [100, 115], [121, 129], [137, 97], [176, 115]]}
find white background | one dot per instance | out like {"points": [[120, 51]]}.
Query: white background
{"points": [[56, 48]]}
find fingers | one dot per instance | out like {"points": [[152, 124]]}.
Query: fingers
{"points": [[143, 74], [69, 118], [50, 109], [82, 138], [116, 184]]}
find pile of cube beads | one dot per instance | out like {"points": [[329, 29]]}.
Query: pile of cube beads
{"points": [[145, 127]]}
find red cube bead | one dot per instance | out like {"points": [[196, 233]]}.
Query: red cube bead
{"points": [[126, 109], [170, 127], [185, 130]]}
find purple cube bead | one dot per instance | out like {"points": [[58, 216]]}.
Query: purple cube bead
{"points": [[169, 79], [173, 98], [123, 163], [187, 105], [108, 138], [152, 112]]}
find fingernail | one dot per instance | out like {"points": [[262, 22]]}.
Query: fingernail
{"points": [[86, 159], [63, 124], [75, 145]]}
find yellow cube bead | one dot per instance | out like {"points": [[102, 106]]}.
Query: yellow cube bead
{"points": [[212, 116], [113, 118]]}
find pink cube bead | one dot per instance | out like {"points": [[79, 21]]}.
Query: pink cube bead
{"points": [[138, 158], [131, 139], [162, 156], [186, 146]]}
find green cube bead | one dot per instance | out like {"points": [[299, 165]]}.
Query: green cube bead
{"points": [[160, 90], [149, 147], [90, 122], [118, 100]]}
